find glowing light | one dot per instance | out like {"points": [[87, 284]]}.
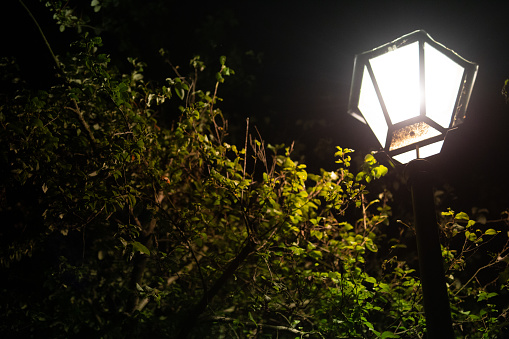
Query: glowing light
{"points": [[371, 109], [397, 75], [443, 79]]}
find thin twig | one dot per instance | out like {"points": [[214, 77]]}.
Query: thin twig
{"points": [[364, 221], [43, 36], [83, 122], [233, 265], [186, 268], [193, 254], [474, 276], [245, 158], [267, 326], [214, 97], [245, 149]]}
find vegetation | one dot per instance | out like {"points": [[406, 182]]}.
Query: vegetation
{"points": [[126, 212]]}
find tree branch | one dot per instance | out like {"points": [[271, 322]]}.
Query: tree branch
{"points": [[199, 308], [83, 122], [42, 34], [267, 326], [140, 262], [184, 238]]}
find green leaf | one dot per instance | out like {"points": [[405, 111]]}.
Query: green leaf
{"points": [[485, 295], [222, 60], [380, 171], [448, 213], [470, 236], [491, 231], [38, 123], [296, 250], [317, 234], [371, 327], [95, 3], [370, 280], [371, 246], [462, 216], [370, 159], [219, 77], [251, 318], [388, 334], [180, 93], [139, 247]]}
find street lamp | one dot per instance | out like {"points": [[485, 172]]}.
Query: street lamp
{"points": [[412, 92]]}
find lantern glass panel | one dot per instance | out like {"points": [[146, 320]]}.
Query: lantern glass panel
{"points": [[369, 105], [424, 152], [412, 134], [431, 149], [406, 157], [443, 79], [397, 75]]}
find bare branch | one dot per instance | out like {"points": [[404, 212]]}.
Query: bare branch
{"points": [[261, 325], [83, 122]]}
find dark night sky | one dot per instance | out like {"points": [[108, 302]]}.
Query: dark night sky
{"points": [[308, 50]]}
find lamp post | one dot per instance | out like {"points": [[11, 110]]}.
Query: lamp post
{"points": [[412, 92]]}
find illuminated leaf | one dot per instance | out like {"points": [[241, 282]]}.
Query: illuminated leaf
{"points": [[461, 216], [491, 231], [139, 247], [370, 280]]}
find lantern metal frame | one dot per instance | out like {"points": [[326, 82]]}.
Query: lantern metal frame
{"points": [[407, 128]]}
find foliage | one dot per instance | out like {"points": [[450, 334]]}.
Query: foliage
{"points": [[476, 270], [120, 222], [504, 90]]}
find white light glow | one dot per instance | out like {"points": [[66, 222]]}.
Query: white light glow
{"points": [[397, 76], [431, 149], [424, 152], [443, 79], [406, 157], [369, 105]]}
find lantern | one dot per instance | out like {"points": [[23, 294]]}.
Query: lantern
{"points": [[411, 92]]}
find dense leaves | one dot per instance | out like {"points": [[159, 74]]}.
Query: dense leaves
{"points": [[120, 222]]}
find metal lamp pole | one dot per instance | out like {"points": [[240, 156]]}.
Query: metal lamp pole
{"points": [[436, 300]]}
